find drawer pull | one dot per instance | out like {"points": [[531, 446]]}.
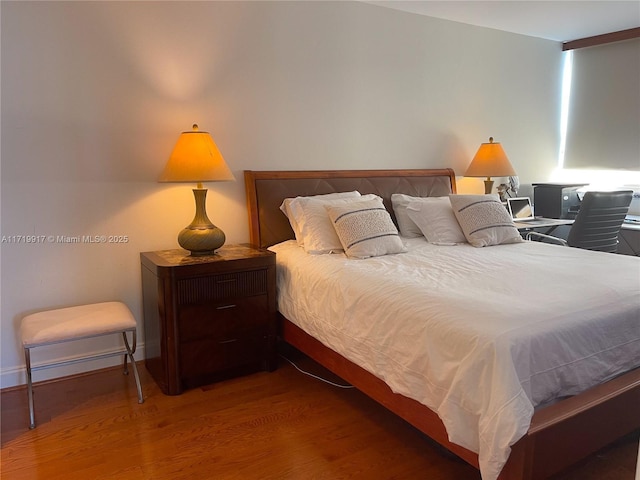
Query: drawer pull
{"points": [[229, 341], [229, 280], [224, 307]]}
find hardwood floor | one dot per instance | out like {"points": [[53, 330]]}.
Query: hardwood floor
{"points": [[280, 425]]}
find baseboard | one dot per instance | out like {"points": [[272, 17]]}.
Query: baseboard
{"points": [[16, 376]]}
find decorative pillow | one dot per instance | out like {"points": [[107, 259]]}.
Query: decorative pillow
{"points": [[484, 220], [365, 229], [287, 203], [436, 220], [316, 230], [406, 225]]}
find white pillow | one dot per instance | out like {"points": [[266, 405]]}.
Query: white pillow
{"points": [[316, 230], [407, 226], [365, 229], [436, 220], [285, 207], [484, 220]]}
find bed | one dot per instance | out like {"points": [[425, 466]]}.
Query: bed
{"points": [[553, 436]]}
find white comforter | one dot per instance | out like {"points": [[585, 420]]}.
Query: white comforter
{"points": [[479, 335]]}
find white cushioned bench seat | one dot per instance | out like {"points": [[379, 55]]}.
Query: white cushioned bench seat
{"points": [[74, 323], [77, 323]]}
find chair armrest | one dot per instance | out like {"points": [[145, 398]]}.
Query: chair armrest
{"points": [[548, 237]]}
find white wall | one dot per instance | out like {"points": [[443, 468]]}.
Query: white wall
{"points": [[95, 94]]}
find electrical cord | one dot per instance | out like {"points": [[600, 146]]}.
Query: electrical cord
{"points": [[315, 376]]}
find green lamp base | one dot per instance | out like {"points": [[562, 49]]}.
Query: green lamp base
{"points": [[201, 237]]}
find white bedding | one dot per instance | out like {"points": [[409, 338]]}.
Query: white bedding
{"points": [[479, 335]]}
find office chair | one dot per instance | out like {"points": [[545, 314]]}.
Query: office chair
{"points": [[598, 222]]}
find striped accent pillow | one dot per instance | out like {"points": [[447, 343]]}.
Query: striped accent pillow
{"points": [[365, 229], [484, 220]]}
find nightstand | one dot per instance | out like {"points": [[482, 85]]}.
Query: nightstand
{"points": [[208, 318]]}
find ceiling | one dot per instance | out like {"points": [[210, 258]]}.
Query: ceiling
{"points": [[562, 20]]}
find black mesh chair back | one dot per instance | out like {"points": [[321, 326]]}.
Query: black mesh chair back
{"points": [[599, 219]]}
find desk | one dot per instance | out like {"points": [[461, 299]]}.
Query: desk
{"points": [[548, 224]]}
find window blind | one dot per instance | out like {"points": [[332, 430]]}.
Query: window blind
{"points": [[603, 129]]}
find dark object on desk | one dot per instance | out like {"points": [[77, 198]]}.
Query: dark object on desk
{"points": [[598, 222], [556, 200]]}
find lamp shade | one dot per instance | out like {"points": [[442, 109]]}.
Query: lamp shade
{"points": [[196, 158], [490, 161]]}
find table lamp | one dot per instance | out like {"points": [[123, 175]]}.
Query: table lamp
{"points": [[490, 161], [196, 158]]}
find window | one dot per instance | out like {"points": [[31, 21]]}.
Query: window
{"points": [[603, 110]]}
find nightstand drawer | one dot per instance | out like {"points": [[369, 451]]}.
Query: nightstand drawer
{"points": [[206, 361], [217, 287], [224, 320]]}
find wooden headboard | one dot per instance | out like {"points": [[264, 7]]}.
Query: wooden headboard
{"points": [[267, 189]]}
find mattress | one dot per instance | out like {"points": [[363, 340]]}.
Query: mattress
{"points": [[481, 336]]}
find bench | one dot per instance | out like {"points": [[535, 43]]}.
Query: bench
{"points": [[76, 323]]}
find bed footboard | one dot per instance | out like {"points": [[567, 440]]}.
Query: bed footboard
{"points": [[564, 433]]}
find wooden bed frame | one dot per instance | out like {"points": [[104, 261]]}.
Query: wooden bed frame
{"points": [[559, 435]]}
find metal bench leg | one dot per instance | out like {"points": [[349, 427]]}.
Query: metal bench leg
{"points": [[32, 417], [125, 370], [126, 355], [130, 352]]}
